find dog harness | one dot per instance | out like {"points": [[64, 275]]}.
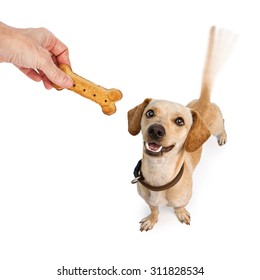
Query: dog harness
{"points": [[140, 178]]}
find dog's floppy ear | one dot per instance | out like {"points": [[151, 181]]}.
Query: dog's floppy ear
{"points": [[134, 117], [198, 134]]}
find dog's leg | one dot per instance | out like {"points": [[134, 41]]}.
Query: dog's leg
{"points": [[183, 215], [148, 222], [222, 137]]}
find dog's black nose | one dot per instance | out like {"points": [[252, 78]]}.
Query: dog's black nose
{"points": [[156, 131]]}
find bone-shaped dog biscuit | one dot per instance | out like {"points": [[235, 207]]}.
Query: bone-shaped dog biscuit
{"points": [[106, 98]]}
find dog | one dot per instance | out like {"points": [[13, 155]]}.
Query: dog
{"points": [[173, 136]]}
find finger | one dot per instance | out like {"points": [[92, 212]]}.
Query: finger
{"points": [[31, 73], [46, 82], [59, 50], [37, 76], [55, 75], [63, 57]]}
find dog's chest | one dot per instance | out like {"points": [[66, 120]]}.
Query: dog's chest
{"points": [[157, 199]]}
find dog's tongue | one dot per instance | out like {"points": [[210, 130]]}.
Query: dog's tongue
{"points": [[154, 147]]}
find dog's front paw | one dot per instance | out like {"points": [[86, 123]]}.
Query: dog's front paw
{"points": [[148, 223], [183, 215]]}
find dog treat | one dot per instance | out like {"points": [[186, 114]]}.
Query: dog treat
{"points": [[106, 98]]}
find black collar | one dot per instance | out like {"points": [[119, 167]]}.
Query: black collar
{"points": [[139, 178]]}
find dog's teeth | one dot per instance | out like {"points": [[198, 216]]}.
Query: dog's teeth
{"points": [[159, 149]]}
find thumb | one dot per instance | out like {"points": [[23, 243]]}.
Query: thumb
{"points": [[57, 76]]}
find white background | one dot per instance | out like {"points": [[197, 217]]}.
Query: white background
{"points": [[65, 167]]}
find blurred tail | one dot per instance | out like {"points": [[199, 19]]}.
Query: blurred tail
{"points": [[220, 44]]}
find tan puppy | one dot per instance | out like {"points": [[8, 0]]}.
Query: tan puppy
{"points": [[173, 135]]}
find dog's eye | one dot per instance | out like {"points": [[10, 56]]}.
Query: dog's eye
{"points": [[179, 121], [149, 113]]}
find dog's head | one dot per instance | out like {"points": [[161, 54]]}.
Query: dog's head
{"points": [[166, 125]]}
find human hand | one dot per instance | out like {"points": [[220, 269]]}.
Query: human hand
{"points": [[37, 53]]}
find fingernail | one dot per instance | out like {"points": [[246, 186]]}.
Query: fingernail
{"points": [[67, 82]]}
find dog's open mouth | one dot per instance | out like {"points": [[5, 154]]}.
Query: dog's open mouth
{"points": [[154, 149]]}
